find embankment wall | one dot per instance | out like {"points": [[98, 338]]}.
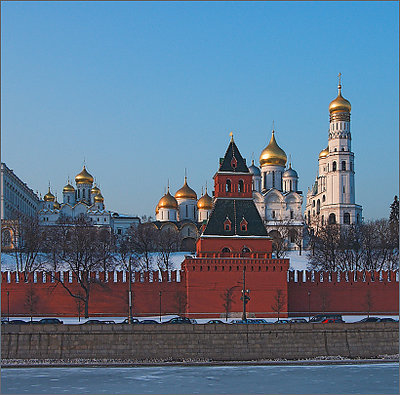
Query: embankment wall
{"points": [[208, 342]]}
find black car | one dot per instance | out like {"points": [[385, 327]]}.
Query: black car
{"points": [[298, 321], [98, 322], [17, 322], [179, 320], [133, 321], [50, 321], [370, 319], [387, 320], [148, 322]]}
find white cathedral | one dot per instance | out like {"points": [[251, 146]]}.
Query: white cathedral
{"points": [[84, 200], [332, 198]]}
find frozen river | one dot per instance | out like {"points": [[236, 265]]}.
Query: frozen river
{"points": [[381, 378]]}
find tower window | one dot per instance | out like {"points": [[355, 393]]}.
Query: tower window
{"points": [[273, 179], [344, 165], [346, 218], [228, 186], [344, 189], [273, 213], [186, 209], [241, 186], [291, 214], [79, 194], [323, 198], [68, 199], [334, 166], [83, 193], [332, 219]]}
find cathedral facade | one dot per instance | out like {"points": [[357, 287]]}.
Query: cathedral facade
{"points": [[331, 200], [83, 200]]}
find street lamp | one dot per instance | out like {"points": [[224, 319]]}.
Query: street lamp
{"points": [[160, 293], [8, 306], [309, 310], [245, 294]]}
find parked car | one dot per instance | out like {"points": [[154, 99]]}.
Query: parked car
{"points": [[133, 321], [240, 322], [216, 322], [332, 321], [298, 321], [17, 322], [178, 320], [282, 322], [50, 321], [322, 317], [148, 322], [387, 320], [370, 319]]}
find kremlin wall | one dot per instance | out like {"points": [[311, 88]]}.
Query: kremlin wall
{"points": [[233, 253]]}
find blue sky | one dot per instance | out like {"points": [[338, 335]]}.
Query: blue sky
{"points": [[142, 91]]}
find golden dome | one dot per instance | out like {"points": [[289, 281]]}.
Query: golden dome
{"points": [[205, 202], [186, 192], [324, 153], [340, 103], [157, 209], [95, 190], [84, 177], [168, 201], [56, 205], [49, 197], [273, 154], [68, 188], [99, 198]]}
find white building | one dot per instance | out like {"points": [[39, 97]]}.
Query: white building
{"points": [[332, 198], [84, 200], [276, 194]]}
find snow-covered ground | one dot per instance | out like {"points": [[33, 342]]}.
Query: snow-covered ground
{"points": [[297, 262]]}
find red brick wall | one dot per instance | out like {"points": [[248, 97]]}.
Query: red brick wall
{"points": [[106, 298], [208, 279], [344, 296]]}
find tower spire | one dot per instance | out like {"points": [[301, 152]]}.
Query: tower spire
{"points": [[340, 84], [231, 134]]}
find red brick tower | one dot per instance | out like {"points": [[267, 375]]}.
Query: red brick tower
{"points": [[234, 241]]}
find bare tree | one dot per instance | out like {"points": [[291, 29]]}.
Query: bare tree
{"points": [[181, 302], [227, 297], [29, 242], [144, 238], [79, 249], [368, 302], [31, 300], [167, 242], [280, 302]]}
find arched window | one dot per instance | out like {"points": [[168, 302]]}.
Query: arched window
{"points": [[309, 217], [228, 186], [322, 220], [243, 225], [6, 238], [318, 206], [358, 218], [346, 218], [245, 249], [343, 165], [241, 186], [226, 249], [83, 193], [334, 166], [332, 219], [323, 198], [227, 224]]}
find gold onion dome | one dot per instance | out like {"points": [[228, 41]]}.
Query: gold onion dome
{"points": [[205, 202], [49, 197], [340, 104], [98, 198], [324, 153], [273, 154], [84, 177], [167, 201], [68, 188], [185, 192], [95, 190]]}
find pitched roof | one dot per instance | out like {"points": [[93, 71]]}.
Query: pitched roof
{"points": [[232, 157], [235, 210]]}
